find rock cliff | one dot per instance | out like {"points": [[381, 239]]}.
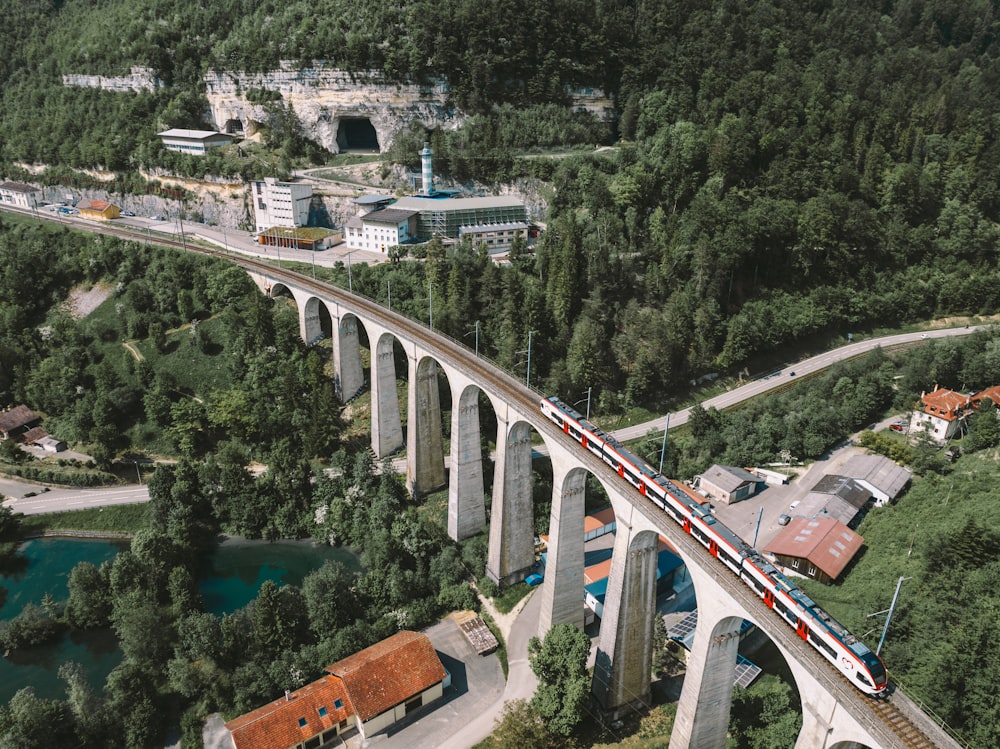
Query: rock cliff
{"points": [[323, 99]]}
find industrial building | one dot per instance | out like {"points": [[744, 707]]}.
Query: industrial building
{"points": [[277, 203], [196, 142]]}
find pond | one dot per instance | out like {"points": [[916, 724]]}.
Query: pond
{"points": [[236, 572]]}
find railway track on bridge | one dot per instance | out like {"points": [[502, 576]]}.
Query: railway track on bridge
{"points": [[894, 722]]}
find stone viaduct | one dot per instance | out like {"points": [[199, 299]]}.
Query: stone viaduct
{"points": [[833, 714]]}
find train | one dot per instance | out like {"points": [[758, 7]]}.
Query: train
{"points": [[848, 654]]}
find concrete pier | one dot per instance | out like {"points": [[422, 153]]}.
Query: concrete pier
{"points": [[511, 551], [348, 374], [466, 494], [624, 652], [387, 429], [424, 443], [562, 590], [703, 710]]}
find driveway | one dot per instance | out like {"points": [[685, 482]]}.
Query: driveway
{"points": [[477, 687]]}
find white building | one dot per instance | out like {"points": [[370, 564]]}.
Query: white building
{"points": [[19, 194], [280, 203], [196, 142], [380, 229]]}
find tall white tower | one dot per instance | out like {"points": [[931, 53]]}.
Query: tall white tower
{"points": [[427, 171]]}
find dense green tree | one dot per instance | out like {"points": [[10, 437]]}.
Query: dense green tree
{"points": [[89, 603], [560, 663]]}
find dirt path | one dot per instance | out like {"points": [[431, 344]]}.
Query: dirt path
{"points": [[136, 354]]}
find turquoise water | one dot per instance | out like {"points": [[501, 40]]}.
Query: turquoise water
{"points": [[237, 570], [240, 567], [47, 564]]}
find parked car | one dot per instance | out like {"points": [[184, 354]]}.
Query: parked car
{"points": [[784, 519], [158, 218], [533, 579], [898, 426], [128, 213]]}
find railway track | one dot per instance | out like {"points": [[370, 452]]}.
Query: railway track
{"points": [[883, 718], [902, 726]]}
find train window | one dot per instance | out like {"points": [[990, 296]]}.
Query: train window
{"points": [[821, 644], [862, 678], [757, 584], [783, 609]]}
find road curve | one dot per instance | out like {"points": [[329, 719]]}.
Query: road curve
{"points": [[781, 377]]}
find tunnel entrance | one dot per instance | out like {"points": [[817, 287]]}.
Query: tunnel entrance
{"points": [[357, 134]]}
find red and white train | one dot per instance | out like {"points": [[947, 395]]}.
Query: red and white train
{"points": [[833, 641]]}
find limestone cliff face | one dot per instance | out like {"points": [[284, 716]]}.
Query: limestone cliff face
{"points": [[140, 79], [322, 98]]}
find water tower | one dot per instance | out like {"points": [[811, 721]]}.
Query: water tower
{"points": [[427, 171]]}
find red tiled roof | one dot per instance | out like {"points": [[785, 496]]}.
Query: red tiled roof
{"points": [[993, 393], [596, 520], [276, 725], [825, 542], [17, 417], [93, 205], [389, 672], [945, 404]]}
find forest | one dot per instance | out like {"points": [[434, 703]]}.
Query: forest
{"points": [[778, 175]]}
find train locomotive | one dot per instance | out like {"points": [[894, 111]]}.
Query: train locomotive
{"points": [[851, 657]]}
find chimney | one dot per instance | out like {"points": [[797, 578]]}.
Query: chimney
{"points": [[426, 170], [288, 696]]}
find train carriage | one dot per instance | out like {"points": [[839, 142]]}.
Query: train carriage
{"points": [[834, 642]]}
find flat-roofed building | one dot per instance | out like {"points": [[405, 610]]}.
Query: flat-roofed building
{"points": [[277, 203], [496, 238], [443, 217], [299, 238], [19, 194], [196, 142], [381, 229]]}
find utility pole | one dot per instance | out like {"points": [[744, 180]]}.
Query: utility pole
{"points": [[430, 303], [888, 617], [757, 529], [388, 291], [527, 372], [663, 449]]}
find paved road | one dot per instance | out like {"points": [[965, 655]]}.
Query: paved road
{"points": [[780, 377], [58, 500]]}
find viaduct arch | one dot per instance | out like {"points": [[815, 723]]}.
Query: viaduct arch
{"points": [[833, 714]]}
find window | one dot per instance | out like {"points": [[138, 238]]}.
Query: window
{"points": [[795, 564], [337, 704], [322, 711], [302, 722], [812, 569]]}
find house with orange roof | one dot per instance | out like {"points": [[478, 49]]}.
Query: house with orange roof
{"points": [[390, 680], [820, 548], [97, 210], [368, 691], [943, 413], [303, 719]]}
